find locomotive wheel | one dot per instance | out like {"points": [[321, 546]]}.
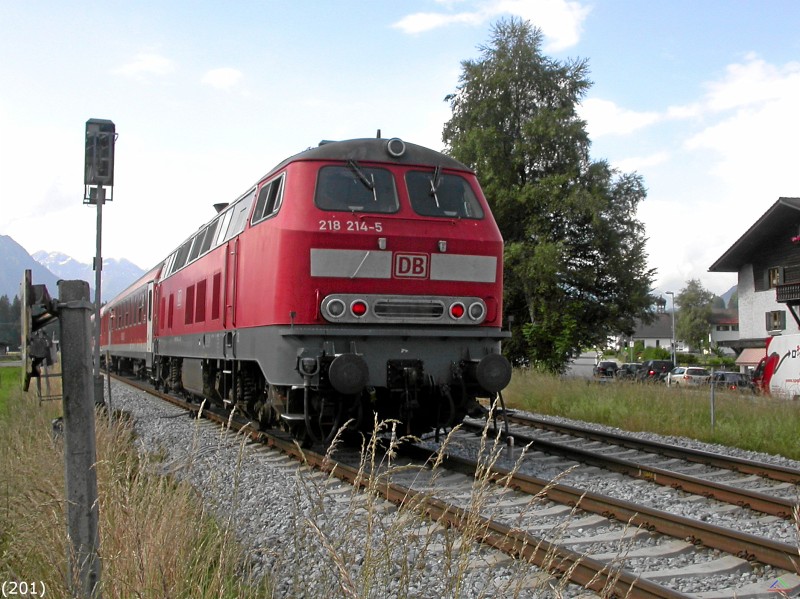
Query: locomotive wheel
{"points": [[325, 417], [300, 434]]}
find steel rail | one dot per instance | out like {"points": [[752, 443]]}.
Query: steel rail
{"points": [[745, 466], [760, 502], [743, 545], [559, 561]]}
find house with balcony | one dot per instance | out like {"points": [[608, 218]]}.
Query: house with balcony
{"points": [[766, 259]]}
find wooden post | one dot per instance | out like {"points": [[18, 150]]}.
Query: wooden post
{"points": [[80, 455]]}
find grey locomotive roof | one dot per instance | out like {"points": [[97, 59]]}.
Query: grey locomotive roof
{"points": [[374, 150]]}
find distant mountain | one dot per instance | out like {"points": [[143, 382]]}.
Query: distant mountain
{"points": [[13, 264], [728, 294], [49, 268], [117, 274]]}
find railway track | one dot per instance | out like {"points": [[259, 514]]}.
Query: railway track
{"points": [[640, 466], [614, 547], [750, 467]]}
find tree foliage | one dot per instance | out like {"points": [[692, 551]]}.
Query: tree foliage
{"points": [[575, 264], [10, 322], [692, 322]]}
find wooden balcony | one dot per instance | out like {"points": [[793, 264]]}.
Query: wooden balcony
{"points": [[788, 293]]}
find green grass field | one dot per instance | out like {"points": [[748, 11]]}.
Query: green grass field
{"points": [[9, 381], [747, 421]]}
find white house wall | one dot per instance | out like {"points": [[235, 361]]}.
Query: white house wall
{"points": [[754, 306]]}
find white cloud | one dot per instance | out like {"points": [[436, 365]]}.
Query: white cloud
{"points": [[560, 20], [146, 64], [604, 117], [426, 21], [222, 78], [753, 83], [637, 163], [757, 126], [744, 134], [746, 90]]}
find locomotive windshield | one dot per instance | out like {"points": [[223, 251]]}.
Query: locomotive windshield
{"points": [[356, 188], [444, 195]]}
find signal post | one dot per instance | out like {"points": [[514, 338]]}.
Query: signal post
{"points": [[98, 174]]}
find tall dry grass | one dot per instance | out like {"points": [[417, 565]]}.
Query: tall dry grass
{"points": [[157, 539]]}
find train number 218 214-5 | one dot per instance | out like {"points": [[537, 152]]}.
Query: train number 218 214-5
{"points": [[351, 226]]}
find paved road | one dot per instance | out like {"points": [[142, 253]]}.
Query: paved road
{"points": [[10, 363], [582, 366]]}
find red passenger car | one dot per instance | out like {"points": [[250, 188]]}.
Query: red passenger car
{"points": [[357, 277]]}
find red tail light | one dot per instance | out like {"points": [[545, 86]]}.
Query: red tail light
{"points": [[358, 308], [457, 310]]}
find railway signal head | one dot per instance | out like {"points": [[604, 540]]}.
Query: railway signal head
{"points": [[99, 156]]}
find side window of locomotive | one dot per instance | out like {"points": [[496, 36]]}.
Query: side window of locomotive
{"points": [[269, 200], [211, 233], [240, 211], [168, 265], [448, 196], [224, 220], [356, 188], [182, 255], [197, 242]]}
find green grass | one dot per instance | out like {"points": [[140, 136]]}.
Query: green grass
{"points": [[9, 382], [746, 421]]}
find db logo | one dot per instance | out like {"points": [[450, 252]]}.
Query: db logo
{"points": [[411, 265]]}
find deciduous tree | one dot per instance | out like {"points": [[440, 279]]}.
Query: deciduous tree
{"points": [[692, 321], [575, 263]]}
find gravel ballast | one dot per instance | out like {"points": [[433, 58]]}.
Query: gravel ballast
{"points": [[313, 536]]}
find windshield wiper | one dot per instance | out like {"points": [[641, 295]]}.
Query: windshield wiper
{"points": [[436, 180], [369, 182]]}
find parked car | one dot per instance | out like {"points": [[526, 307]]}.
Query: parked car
{"points": [[687, 375], [628, 370], [733, 381], [654, 371], [605, 369]]}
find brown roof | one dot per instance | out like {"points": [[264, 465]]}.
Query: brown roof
{"points": [[756, 236], [724, 316]]}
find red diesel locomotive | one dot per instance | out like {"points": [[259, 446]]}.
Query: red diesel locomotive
{"points": [[356, 278]]}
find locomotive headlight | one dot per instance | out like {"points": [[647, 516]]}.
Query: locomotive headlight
{"points": [[477, 311], [335, 308], [457, 310], [359, 308], [396, 147]]}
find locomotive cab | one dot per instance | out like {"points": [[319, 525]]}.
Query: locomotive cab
{"points": [[396, 289]]}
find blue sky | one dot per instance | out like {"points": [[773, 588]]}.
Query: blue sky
{"points": [[701, 98]]}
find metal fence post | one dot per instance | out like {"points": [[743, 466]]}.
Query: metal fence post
{"points": [[80, 453], [713, 407]]}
